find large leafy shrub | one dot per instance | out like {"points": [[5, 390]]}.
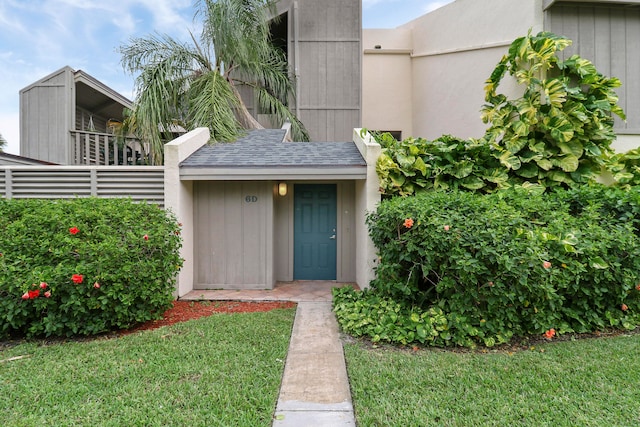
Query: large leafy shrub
{"points": [[556, 135], [626, 168], [559, 132], [515, 262], [416, 165], [84, 266]]}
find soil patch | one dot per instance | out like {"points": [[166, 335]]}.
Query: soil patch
{"points": [[188, 310], [181, 311]]}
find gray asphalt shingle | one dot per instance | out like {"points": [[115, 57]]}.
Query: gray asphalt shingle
{"points": [[264, 148]]}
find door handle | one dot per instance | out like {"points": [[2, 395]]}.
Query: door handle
{"points": [[333, 237]]}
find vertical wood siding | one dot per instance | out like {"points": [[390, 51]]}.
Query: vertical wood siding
{"points": [[235, 235], [44, 118], [329, 63], [609, 36]]}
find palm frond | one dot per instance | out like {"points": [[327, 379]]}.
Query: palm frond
{"points": [[213, 104], [198, 84], [281, 113]]}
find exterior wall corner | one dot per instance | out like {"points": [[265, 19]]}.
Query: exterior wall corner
{"points": [[367, 200], [179, 199]]}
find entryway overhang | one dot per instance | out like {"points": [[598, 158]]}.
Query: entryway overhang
{"points": [[237, 205], [263, 156]]}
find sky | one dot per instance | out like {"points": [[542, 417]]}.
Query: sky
{"points": [[38, 37]]}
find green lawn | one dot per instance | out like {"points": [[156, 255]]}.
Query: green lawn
{"points": [[594, 382], [222, 370]]}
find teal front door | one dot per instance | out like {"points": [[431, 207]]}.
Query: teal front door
{"points": [[314, 231]]}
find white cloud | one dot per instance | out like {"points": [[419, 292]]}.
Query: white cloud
{"points": [[9, 130]]}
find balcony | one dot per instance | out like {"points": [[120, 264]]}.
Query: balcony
{"points": [[95, 148]]}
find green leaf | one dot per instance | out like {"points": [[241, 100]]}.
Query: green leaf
{"points": [[572, 147], [598, 263], [558, 176], [561, 130], [398, 179], [422, 332], [405, 161], [570, 239], [497, 176], [510, 161], [515, 143], [462, 169], [568, 163], [472, 183], [520, 128], [528, 170], [421, 166], [555, 92]]}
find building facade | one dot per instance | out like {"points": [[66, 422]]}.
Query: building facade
{"points": [[431, 71]]}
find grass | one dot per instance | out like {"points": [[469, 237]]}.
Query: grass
{"points": [[591, 382], [222, 370]]}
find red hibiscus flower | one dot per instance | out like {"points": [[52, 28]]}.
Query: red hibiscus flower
{"points": [[34, 294], [74, 230], [624, 307], [96, 285], [145, 237], [47, 294], [546, 264], [77, 278], [43, 285], [25, 295], [408, 222], [550, 333]]}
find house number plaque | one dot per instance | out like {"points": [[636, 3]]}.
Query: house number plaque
{"points": [[251, 199]]}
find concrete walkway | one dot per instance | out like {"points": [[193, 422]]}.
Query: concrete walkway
{"points": [[315, 388]]}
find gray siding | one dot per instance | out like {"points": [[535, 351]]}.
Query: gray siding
{"points": [[50, 182], [329, 67], [347, 232], [609, 36], [45, 118], [324, 50], [235, 235]]}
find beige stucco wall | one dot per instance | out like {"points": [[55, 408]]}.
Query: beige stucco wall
{"points": [[624, 143], [178, 198], [452, 52], [367, 199], [386, 85]]}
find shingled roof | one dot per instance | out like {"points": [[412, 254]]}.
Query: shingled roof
{"points": [[262, 154]]}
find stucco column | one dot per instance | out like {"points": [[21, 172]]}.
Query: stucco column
{"points": [[178, 198], [367, 200]]}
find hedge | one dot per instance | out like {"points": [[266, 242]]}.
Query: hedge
{"points": [[84, 266]]}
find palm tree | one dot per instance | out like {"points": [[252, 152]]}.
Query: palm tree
{"points": [[3, 142], [198, 84]]}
